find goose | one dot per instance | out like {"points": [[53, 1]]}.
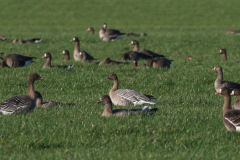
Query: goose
{"points": [[219, 83], [91, 30], [109, 34], [134, 55], [48, 63], [144, 51], [77, 50], [126, 97], [122, 112], [136, 34], [16, 60], [2, 38], [32, 40], [24, 103], [40, 103], [109, 61], [236, 92], [224, 53], [189, 58], [135, 65], [159, 63], [84, 57], [232, 31], [231, 117], [66, 52]]}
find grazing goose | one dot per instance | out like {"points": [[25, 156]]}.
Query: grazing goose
{"points": [[77, 50], [135, 65], [32, 40], [122, 112], [219, 83], [126, 97], [66, 52], [232, 31], [40, 103], [24, 103], [231, 117], [136, 34], [2, 38], [48, 63], [91, 30], [144, 51], [189, 58], [159, 63], [224, 53], [236, 92], [133, 55], [16, 60], [109, 61], [109, 34]]}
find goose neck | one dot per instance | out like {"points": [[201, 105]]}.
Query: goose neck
{"points": [[227, 104]]}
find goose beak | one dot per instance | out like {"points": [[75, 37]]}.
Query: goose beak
{"points": [[218, 92], [232, 93], [213, 69], [99, 101], [130, 44], [62, 53], [43, 56], [41, 78]]}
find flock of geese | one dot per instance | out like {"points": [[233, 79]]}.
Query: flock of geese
{"points": [[121, 97]]}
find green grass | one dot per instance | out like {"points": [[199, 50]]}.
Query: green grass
{"points": [[189, 122]]}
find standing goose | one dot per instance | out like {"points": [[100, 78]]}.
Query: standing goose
{"points": [[48, 63], [122, 112], [135, 65], [236, 92], [219, 83], [231, 117], [144, 51], [40, 103], [77, 50], [91, 30], [109, 34], [66, 52], [224, 53], [24, 103], [16, 60], [159, 63], [32, 40], [126, 97]]}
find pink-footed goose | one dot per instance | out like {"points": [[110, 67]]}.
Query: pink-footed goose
{"points": [[232, 31], [159, 63], [24, 103], [224, 53], [40, 103], [127, 97], [136, 34], [77, 50], [236, 92], [231, 117], [2, 38], [109, 34], [48, 62], [32, 40], [144, 51], [16, 60], [122, 112], [219, 83], [91, 30], [66, 52]]}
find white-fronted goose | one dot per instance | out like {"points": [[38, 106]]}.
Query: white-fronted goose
{"points": [[135, 65], [48, 63], [231, 117], [2, 38], [144, 51], [84, 56], [16, 60], [24, 103], [66, 52], [32, 40], [136, 34], [91, 30], [109, 34], [126, 97], [40, 103], [189, 58], [134, 55], [236, 92], [232, 31], [219, 83], [159, 63], [224, 53], [77, 50], [112, 62], [122, 112]]}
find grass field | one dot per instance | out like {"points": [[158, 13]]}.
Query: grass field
{"points": [[189, 122]]}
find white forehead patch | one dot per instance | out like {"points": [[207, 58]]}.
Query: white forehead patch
{"points": [[220, 90], [74, 39], [80, 53], [233, 92], [131, 42], [63, 51], [220, 51], [45, 55]]}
